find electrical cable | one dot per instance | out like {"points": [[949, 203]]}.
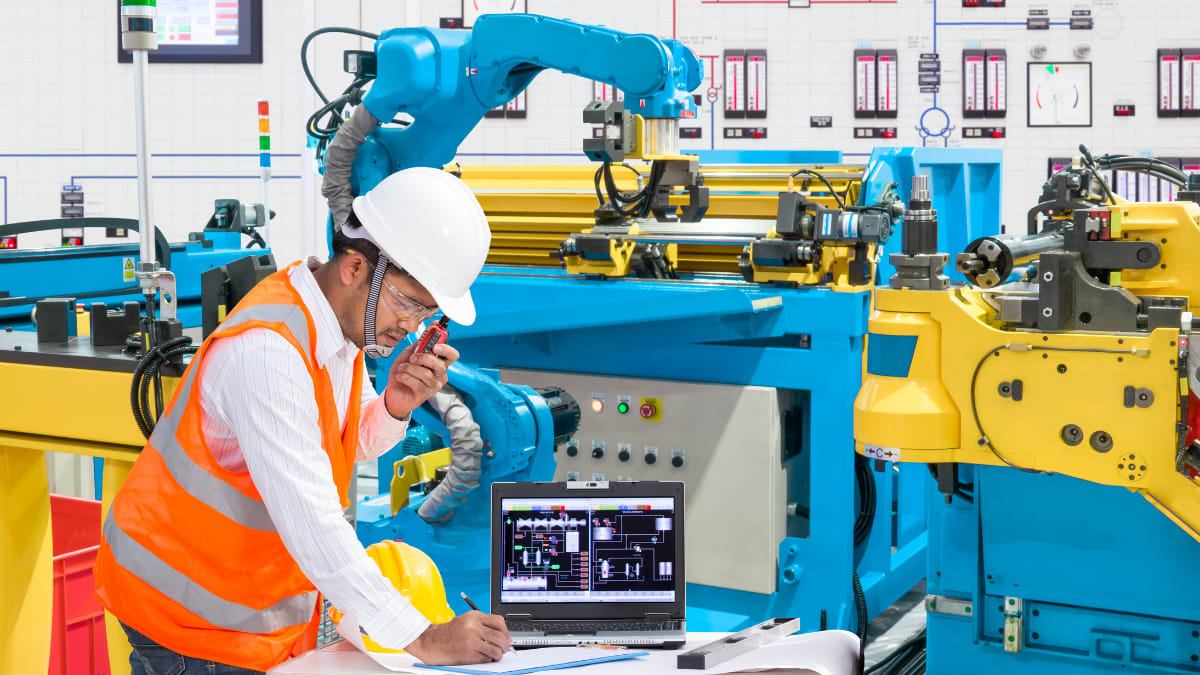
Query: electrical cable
{"points": [[864, 480], [638, 205], [145, 373], [255, 238], [860, 606], [321, 31], [1149, 165], [1091, 165], [809, 172], [351, 95]]}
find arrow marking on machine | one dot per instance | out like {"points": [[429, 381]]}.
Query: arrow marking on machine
{"points": [[880, 452]]}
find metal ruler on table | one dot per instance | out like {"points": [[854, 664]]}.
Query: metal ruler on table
{"points": [[719, 651]]}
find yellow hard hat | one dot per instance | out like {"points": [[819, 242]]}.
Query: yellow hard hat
{"points": [[415, 576]]}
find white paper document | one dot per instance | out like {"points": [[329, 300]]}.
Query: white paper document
{"points": [[833, 652], [397, 663]]}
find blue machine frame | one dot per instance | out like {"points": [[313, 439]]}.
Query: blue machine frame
{"points": [[74, 271], [810, 342], [1103, 578]]}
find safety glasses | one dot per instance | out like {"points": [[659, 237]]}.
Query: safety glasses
{"points": [[404, 306]]}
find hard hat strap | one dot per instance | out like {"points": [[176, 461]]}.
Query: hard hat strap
{"points": [[372, 349]]}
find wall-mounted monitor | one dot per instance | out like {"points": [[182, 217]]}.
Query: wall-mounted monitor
{"points": [[204, 31]]}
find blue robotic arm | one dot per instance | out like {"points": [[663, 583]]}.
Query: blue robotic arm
{"points": [[447, 80]]}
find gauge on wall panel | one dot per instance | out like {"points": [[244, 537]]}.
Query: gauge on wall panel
{"points": [[471, 9], [1059, 94]]}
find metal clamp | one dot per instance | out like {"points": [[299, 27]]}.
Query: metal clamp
{"points": [[943, 604]]}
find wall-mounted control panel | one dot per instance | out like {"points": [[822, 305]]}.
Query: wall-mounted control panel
{"points": [[723, 441]]}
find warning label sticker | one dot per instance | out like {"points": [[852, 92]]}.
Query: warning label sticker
{"points": [[127, 273]]}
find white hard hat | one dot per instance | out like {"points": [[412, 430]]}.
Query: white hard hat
{"points": [[428, 223]]}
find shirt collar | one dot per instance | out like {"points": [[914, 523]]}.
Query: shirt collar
{"points": [[330, 340]]}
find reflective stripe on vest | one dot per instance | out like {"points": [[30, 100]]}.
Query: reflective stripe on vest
{"points": [[143, 564], [196, 480]]}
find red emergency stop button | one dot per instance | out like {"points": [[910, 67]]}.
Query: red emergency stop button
{"points": [[647, 411]]}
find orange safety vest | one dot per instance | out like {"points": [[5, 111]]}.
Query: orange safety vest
{"points": [[190, 557]]}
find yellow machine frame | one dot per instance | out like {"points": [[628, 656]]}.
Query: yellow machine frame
{"points": [[53, 409], [529, 223], [965, 367]]}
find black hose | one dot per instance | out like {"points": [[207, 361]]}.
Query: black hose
{"points": [[143, 376], [860, 606], [321, 31], [809, 172], [867, 496], [866, 499]]}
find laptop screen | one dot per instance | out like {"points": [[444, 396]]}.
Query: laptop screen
{"points": [[587, 549]]}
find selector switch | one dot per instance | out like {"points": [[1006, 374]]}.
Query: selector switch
{"points": [[651, 454], [572, 450], [677, 459], [624, 452], [598, 452]]}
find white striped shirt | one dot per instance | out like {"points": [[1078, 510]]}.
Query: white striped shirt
{"points": [[260, 413]]}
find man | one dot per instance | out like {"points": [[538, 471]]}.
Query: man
{"points": [[231, 520]]}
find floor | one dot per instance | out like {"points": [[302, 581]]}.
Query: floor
{"points": [[896, 624]]}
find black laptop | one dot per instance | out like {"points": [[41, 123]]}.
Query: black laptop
{"points": [[589, 562]]}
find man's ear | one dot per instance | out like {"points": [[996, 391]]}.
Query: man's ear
{"points": [[352, 269]]}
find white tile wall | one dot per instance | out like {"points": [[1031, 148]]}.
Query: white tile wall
{"points": [[72, 116], [810, 73], [71, 102]]}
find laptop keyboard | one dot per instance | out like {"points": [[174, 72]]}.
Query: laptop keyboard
{"points": [[589, 626]]}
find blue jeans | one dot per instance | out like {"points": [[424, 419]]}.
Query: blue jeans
{"points": [[151, 658]]}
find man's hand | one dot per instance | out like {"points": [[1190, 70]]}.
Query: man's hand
{"points": [[416, 377], [474, 637]]}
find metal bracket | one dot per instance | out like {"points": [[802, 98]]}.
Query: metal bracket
{"points": [[726, 648], [943, 604], [1013, 624]]}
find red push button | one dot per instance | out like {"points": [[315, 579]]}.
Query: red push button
{"points": [[647, 411]]}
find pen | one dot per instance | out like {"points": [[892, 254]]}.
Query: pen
{"points": [[469, 603]]}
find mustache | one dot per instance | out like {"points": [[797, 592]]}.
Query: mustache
{"points": [[399, 334]]}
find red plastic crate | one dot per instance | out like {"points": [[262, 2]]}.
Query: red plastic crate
{"points": [[77, 642]]}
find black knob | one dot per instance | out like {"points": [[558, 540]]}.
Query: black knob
{"points": [[651, 458], [677, 461], [572, 450], [597, 452], [623, 455]]}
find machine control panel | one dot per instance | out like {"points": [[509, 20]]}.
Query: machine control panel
{"points": [[641, 429]]}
